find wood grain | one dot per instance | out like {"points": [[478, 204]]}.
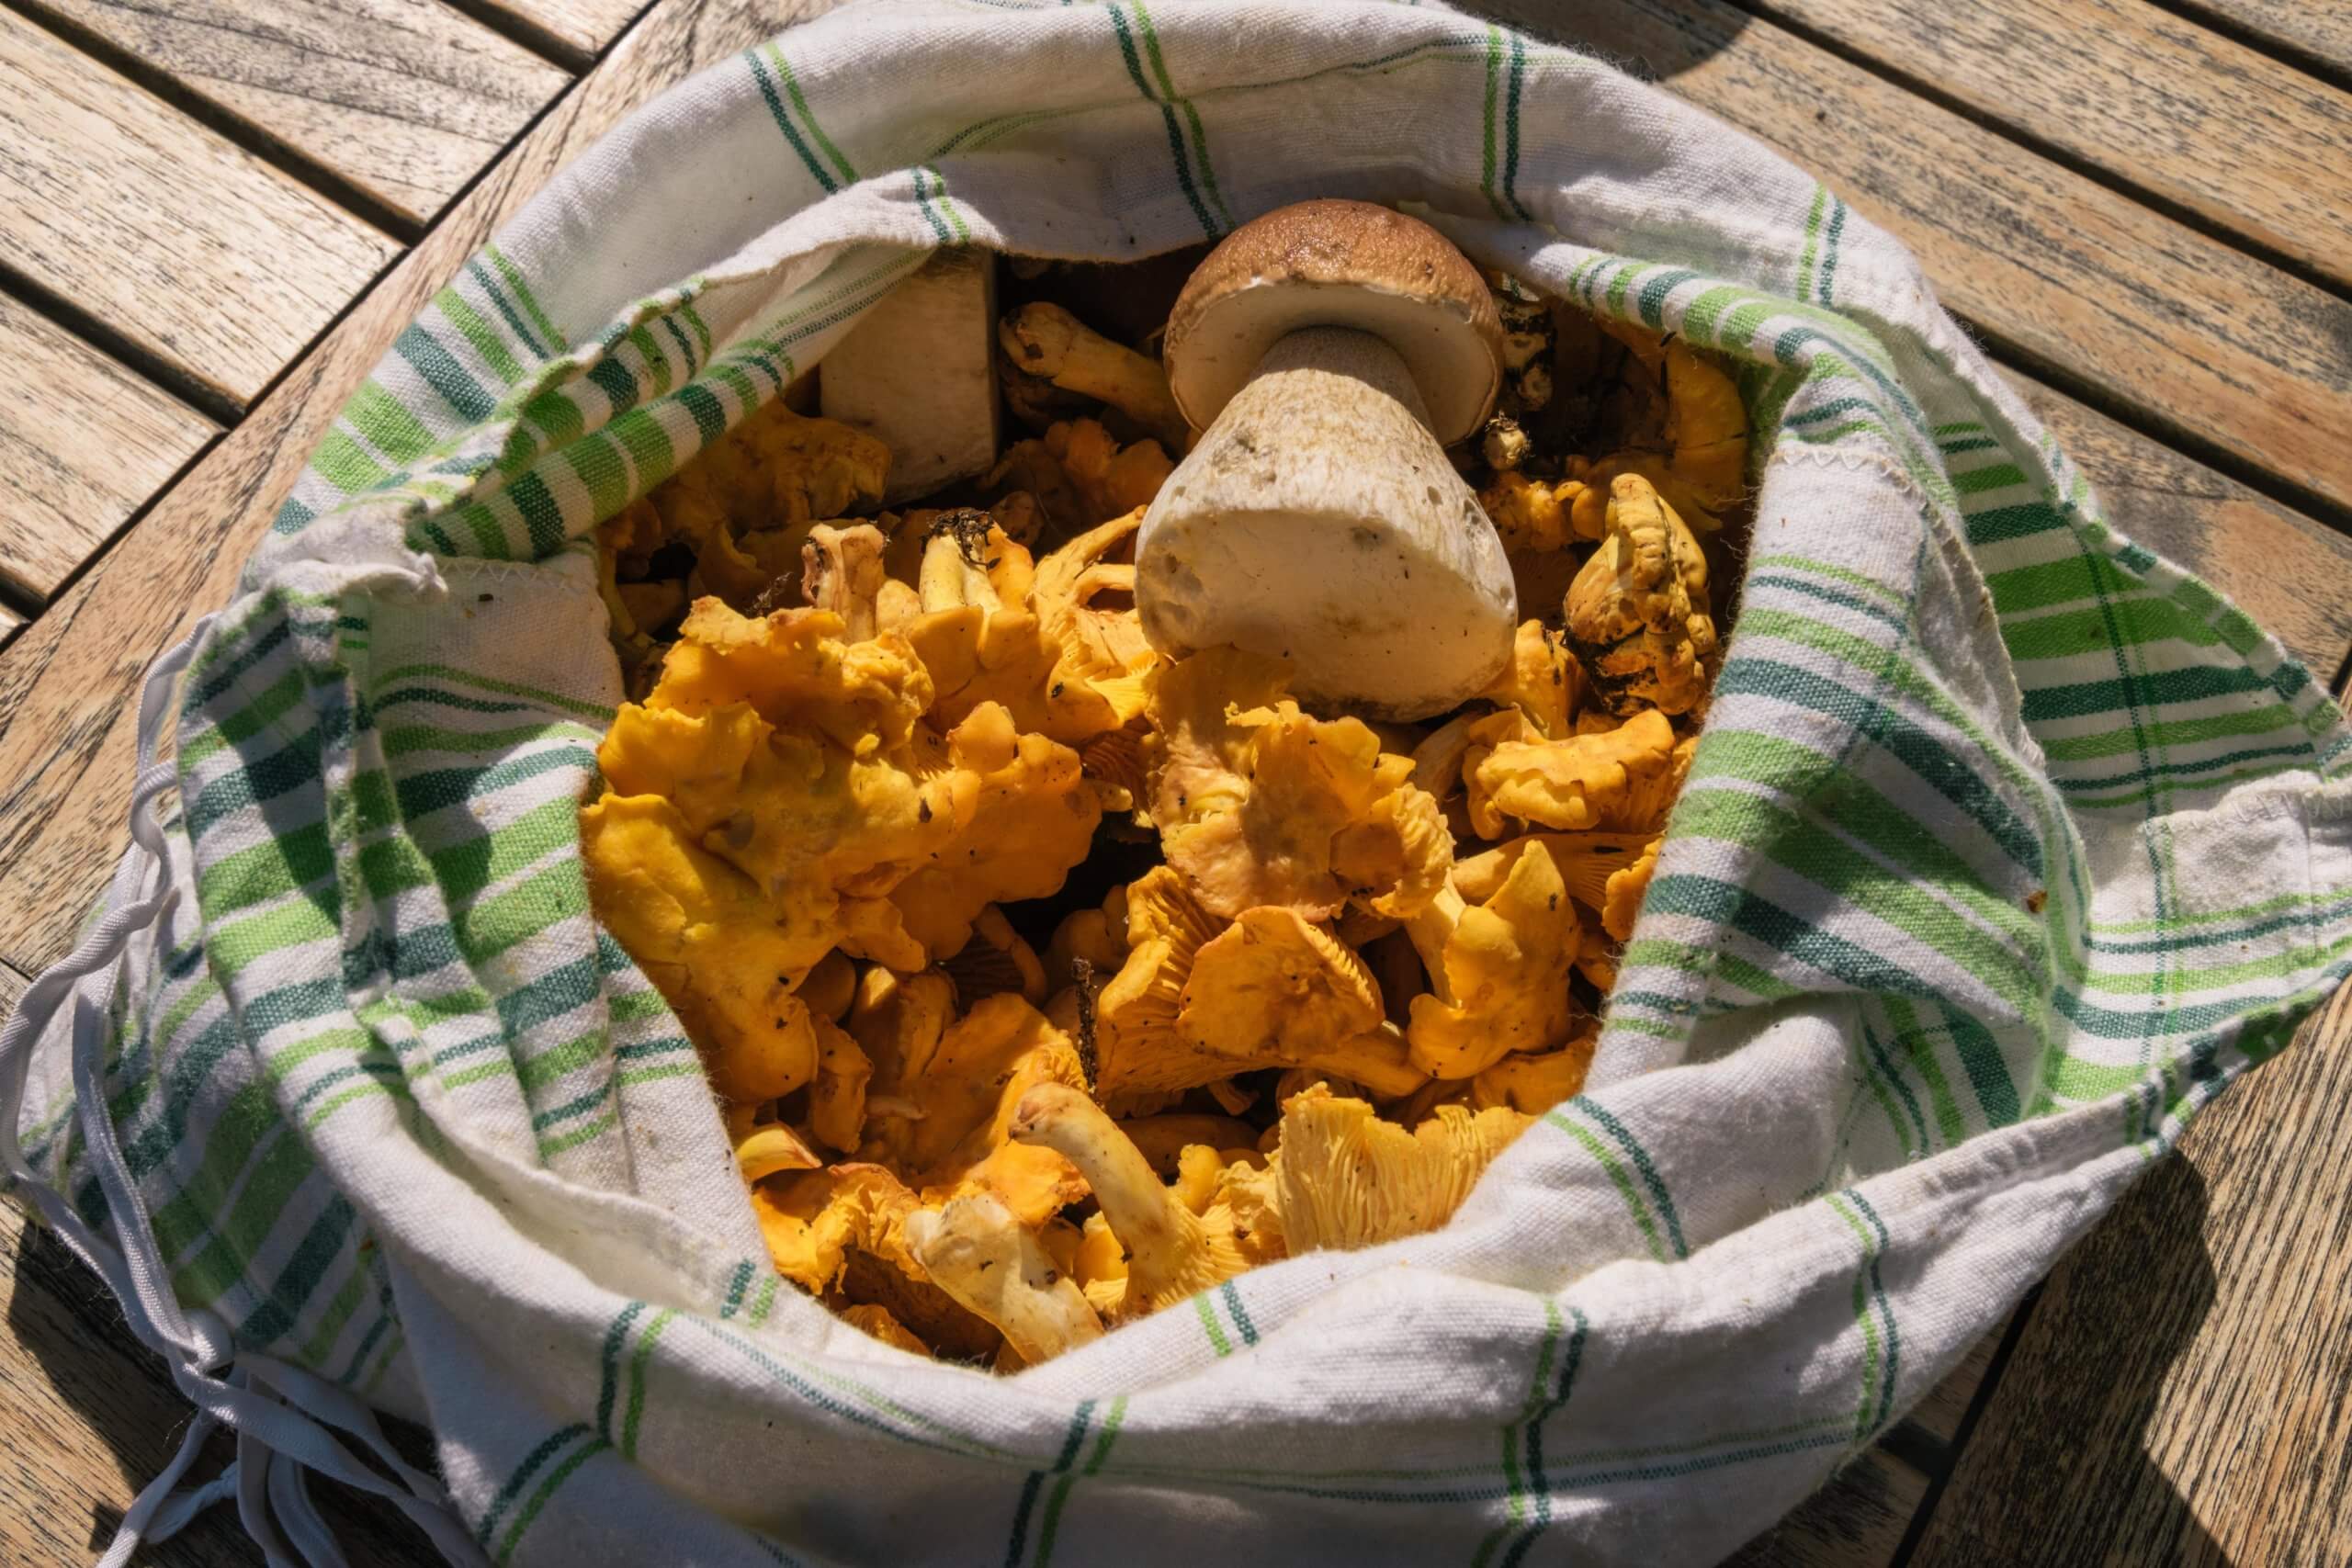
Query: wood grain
{"points": [[83, 442], [2252, 145], [2292, 574], [581, 29], [92, 1415], [67, 682], [204, 256], [1856, 1521], [2195, 336], [406, 99], [2183, 1389], [2319, 29]]}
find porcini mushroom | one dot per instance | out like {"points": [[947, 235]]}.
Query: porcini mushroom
{"points": [[1330, 351]]}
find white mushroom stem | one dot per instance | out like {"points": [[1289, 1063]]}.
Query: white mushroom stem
{"points": [[841, 571], [975, 1251], [1318, 520], [1164, 1240], [1045, 340], [918, 372]]}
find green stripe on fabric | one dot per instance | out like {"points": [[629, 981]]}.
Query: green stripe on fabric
{"points": [[640, 434], [1177, 157], [1890, 895], [479, 334], [1487, 158], [1210, 1326], [386, 422], [553, 1444], [342, 464], [2070, 634], [1865, 1321], [268, 1186], [792, 86], [1111, 1421], [267, 871], [1830, 237], [1665, 953], [765, 78], [1635, 1207], [1886, 1307], [1511, 129], [1812, 241], [440, 370], [1654, 1183], [1169, 93], [281, 1307], [513, 277], [1913, 1037], [1831, 792], [267, 707], [644, 1353], [601, 715], [1917, 749], [615, 1339], [236, 946], [598, 464], [332, 1319], [947, 205], [507, 311], [547, 1489], [2154, 688], [408, 740], [1067, 1478]]}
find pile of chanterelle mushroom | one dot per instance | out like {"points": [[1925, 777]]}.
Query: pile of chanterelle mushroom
{"points": [[1088, 874]]}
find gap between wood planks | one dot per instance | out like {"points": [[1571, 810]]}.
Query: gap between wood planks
{"points": [[248, 135], [1780, 13], [44, 301], [2006, 347], [2269, 26]]}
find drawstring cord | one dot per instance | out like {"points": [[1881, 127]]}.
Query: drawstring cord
{"points": [[287, 1420]]}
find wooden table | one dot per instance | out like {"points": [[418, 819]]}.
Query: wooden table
{"points": [[216, 214]]}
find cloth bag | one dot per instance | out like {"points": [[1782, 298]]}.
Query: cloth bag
{"points": [[2006, 846]]}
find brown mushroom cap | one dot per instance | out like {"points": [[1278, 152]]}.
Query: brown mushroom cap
{"points": [[1338, 264]]}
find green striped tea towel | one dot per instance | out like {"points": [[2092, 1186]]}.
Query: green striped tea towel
{"points": [[2007, 846]]}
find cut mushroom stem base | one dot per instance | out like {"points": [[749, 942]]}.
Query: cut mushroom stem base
{"points": [[1318, 520]]}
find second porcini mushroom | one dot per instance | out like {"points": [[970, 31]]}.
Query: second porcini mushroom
{"points": [[1330, 352]]}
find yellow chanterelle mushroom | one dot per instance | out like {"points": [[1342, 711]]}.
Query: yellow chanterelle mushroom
{"points": [[1638, 613]]}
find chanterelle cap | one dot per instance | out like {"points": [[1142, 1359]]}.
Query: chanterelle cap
{"points": [[1338, 264]]}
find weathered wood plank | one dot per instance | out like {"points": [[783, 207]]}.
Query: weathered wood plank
{"points": [[2291, 574], [93, 1415], [2183, 1391], [2250, 144], [2196, 336], [2319, 29], [1856, 1521], [406, 99], [202, 254], [67, 684], [581, 27], [83, 442]]}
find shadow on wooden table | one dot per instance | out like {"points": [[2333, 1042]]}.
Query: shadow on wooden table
{"points": [[64, 1319], [2057, 1469], [1547, 19]]}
